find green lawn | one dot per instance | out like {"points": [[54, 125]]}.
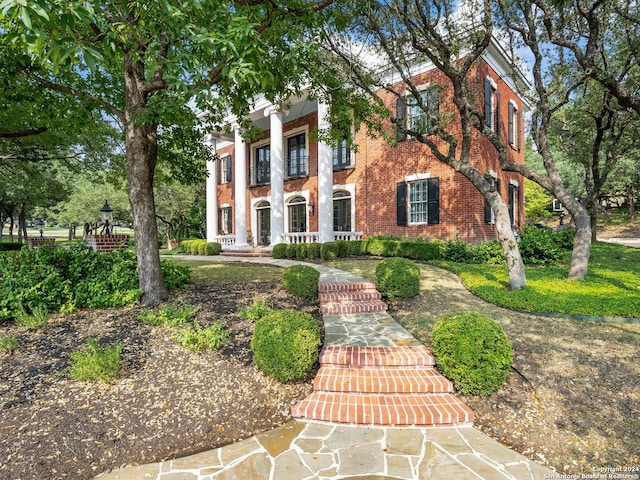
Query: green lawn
{"points": [[611, 289], [203, 271]]}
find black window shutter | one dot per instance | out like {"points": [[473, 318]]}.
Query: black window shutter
{"points": [[518, 131], [401, 119], [228, 172], [512, 206], [487, 212], [510, 134], [497, 113], [219, 170], [488, 114], [433, 200], [401, 203]]}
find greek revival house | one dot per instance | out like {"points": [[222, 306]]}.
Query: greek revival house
{"points": [[285, 187]]}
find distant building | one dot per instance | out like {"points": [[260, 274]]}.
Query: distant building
{"points": [[284, 188]]}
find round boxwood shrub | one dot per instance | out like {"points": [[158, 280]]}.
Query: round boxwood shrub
{"points": [[279, 250], [214, 248], [301, 281], [398, 278], [329, 251], [285, 344], [472, 351]]}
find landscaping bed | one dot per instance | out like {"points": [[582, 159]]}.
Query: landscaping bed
{"points": [[166, 402]]}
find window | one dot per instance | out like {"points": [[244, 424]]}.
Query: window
{"points": [[411, 116], [224, 169], [491, 105], [225, 221], [421, 199], [514, 197], [261, 170], [341, 211], [297, 215], [297, 160], [514, 126], [341, 156], [489, 214]]}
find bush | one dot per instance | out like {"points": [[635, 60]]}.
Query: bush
{"points": [[285, 344], [472, 351], [213, 248], [490, 252], [541, 246], [458, 251], [301, 281], [279, 251], [329, 251], [7, 247], [313, 250], [175, 276], [398, 278], [95, 362], [292, 250]]}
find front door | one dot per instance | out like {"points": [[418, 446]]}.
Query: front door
{"points": [[264, 226]]}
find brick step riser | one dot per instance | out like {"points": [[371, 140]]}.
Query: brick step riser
{"points": [[432, 410], [353, 308], [365, 357], [346, 287], [347, 297], [381, 380]]}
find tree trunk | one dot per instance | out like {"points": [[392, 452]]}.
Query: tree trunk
{"points": [[594, 220], [508, 242], [630, 203], [141, 154]]}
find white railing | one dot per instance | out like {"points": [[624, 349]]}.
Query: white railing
{"points": [[311, 237], [300, 237], [347, 235], [225, 240]]}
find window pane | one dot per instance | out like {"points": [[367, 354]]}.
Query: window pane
{"points": [[418, 202]]}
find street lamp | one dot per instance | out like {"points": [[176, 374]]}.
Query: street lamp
{"points": [[107, 217]]}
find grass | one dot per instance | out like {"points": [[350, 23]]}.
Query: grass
{"points": [[205, 271], [611, 288]]}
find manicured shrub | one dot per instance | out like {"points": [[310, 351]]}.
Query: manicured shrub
{"points": [[213, 248], [292, 250], [329, 251], [398, 278], [301, 250], [301, 281], [313, 251], [285, 344], [472, 351], [458, 251], [279, 251], [343, 248], [382, 247], [356, 247], [423, 250], [202, 247]]}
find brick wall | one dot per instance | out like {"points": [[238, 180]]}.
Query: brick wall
{"points": [[37, 242], [107, 243]]}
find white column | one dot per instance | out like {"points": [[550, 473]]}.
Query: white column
{"points": [[325, 181], [212, 194], [240, 198], [277, 175]]}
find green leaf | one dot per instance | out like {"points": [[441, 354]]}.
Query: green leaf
{"points": [[25, 17]]}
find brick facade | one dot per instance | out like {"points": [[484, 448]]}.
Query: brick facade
{"points": [[107, 243], [380, 167]]}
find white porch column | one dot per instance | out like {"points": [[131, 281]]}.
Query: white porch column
{"points": [[212, 194], [277, 175], [325, 181], [240, 197]]}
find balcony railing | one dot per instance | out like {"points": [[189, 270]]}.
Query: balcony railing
{"points": [[297, 167], [260, 175]]}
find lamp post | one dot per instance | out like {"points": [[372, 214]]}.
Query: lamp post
{"points": [[41, 223], [107, 217]]}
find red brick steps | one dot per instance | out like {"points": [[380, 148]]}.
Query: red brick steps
{"points": [[377, 385], [345, 298]]}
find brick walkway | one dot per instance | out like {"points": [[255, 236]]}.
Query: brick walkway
{"points": [[372, 415]]}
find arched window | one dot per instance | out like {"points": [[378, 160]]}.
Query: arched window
{"points": [[341, 211], [263, 215], [297, 214]]}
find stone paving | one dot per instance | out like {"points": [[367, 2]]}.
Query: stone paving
{"points": [[314, 450]]}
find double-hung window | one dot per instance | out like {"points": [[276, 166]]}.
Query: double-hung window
{"points": [[418, 202], [224, 169], [297, 215], [417, 116], [297, 159], [514, 126], [341, 156], [341, 211], [491, 105], [261, 171], [225, 221]]}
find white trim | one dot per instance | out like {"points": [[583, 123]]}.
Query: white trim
{"points": [[224, 205], [493, 83], [287, 198], [514, 183], [417, 176], [351, 189], [492, 173]]}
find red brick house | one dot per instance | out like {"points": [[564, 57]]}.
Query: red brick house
{"points": [[285, 187]]}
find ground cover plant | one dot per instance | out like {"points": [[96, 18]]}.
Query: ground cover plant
{"points": [[571, 398], [166, 401], [95, 361]]}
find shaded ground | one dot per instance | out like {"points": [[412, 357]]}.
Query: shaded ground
{"points": [[573, 402], [167, 401]]}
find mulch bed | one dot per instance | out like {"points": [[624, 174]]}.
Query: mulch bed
{"points": [[166, 402]]}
